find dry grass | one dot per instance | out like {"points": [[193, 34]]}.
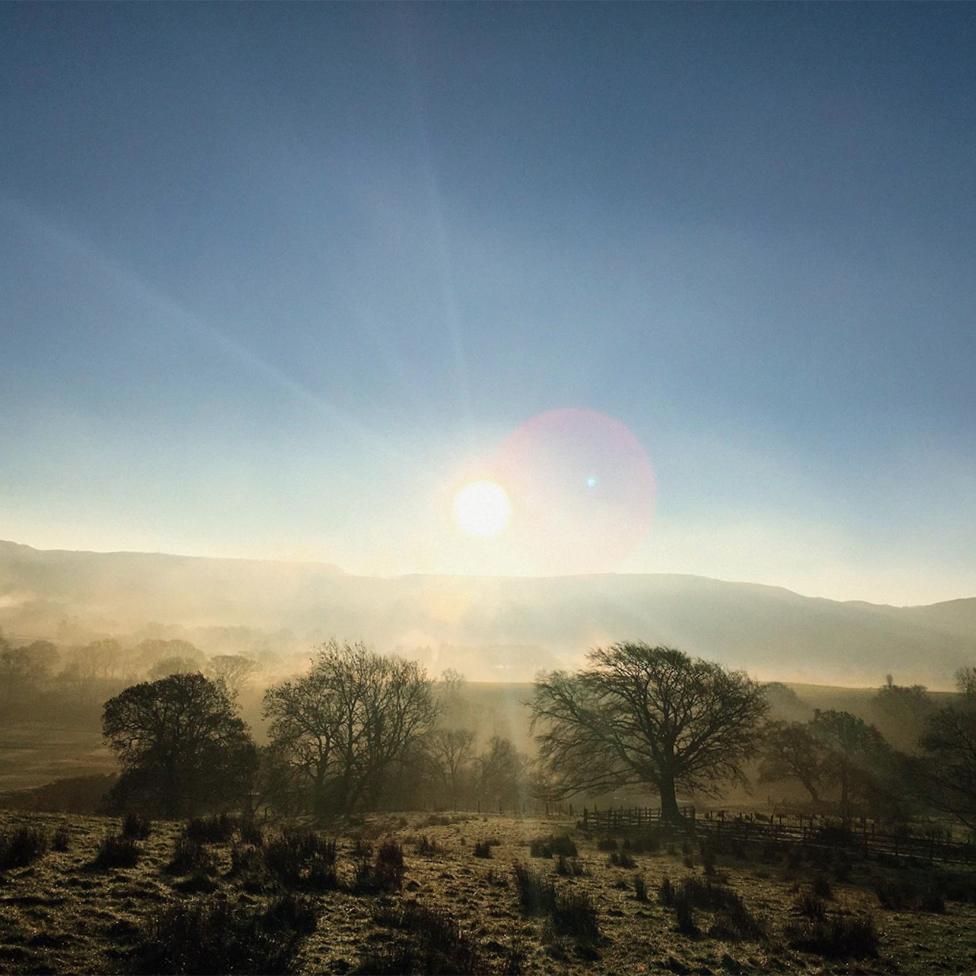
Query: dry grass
{"points": [[58, 915]]}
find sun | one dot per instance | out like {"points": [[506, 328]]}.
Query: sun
{"points": [[482, 508]]}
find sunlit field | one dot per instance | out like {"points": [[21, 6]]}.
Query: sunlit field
{"points": [[749, 910]]}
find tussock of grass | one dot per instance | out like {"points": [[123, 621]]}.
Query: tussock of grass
{"points": [[212, 935], [733, 920], [482, 848], [621, 859], [537, 895], [384, 874], [22, 846], [116, 851], [429, 941], [837, 937], [191, 857], [212, 830], [301, 858], [910, 895], [552, 845], [425, 847], [569, 867], [136, 826]]}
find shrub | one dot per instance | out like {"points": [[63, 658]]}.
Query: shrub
{"points": [[838, 937], [482, 848], [212, 830], [116, 851], [429, 941], [537, 895], [22, 846], [212, 936], [137, 826], [302, 858]]}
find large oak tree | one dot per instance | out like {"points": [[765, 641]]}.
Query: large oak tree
{"points": [[182, 747], [646, 715]]}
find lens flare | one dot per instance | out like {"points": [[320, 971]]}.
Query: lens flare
{"points": [[582, 490]]}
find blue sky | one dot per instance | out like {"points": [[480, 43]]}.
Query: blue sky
{"points": [[272, 276]]}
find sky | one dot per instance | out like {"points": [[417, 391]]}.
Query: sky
{"points": [[691, 285]]}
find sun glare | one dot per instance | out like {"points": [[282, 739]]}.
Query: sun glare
{"points": [[482, 508]]}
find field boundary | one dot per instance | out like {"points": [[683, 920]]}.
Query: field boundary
{"points": [[866, 837]]}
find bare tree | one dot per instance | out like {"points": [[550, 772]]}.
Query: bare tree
{"points": [[646, 715], [347, 721], [791, 751], [856, 754], [451, 751], [231, 671], [948, 769], [502, 775]]}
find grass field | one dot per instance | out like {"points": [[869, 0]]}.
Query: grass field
{"points": [[61, 913], [34, 754]]}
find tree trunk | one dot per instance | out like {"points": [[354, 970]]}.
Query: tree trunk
{"points": [[669, 801]]}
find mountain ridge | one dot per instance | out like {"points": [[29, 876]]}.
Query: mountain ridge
{"points": [[521, 624]]}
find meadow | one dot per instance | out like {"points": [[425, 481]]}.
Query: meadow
{"points": [[458, 893]]}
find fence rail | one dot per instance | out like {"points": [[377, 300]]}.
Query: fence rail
{"points": [[867, 837]]}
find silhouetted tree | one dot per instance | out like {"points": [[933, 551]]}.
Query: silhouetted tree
{"points": [[181, 746], [900, 713], [231, 671], [346, 722], [790, 750], [174, 665], [450, 751], [856, 755], [948, 770], [646, 715], [501, 775]]}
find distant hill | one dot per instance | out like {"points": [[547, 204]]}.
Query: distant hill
{"points": [[504, 628]]}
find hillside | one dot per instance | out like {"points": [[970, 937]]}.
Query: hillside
{"points": [[503, 628]]}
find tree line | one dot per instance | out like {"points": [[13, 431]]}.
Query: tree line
{"points": [[361, 731]]}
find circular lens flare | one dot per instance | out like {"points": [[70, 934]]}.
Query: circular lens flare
{"points": [[482, 508]]}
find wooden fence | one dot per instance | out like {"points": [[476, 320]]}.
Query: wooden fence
{"points": [[866, 837]]}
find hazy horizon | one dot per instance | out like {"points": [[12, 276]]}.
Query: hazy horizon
{"points": [[341, 569]]}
